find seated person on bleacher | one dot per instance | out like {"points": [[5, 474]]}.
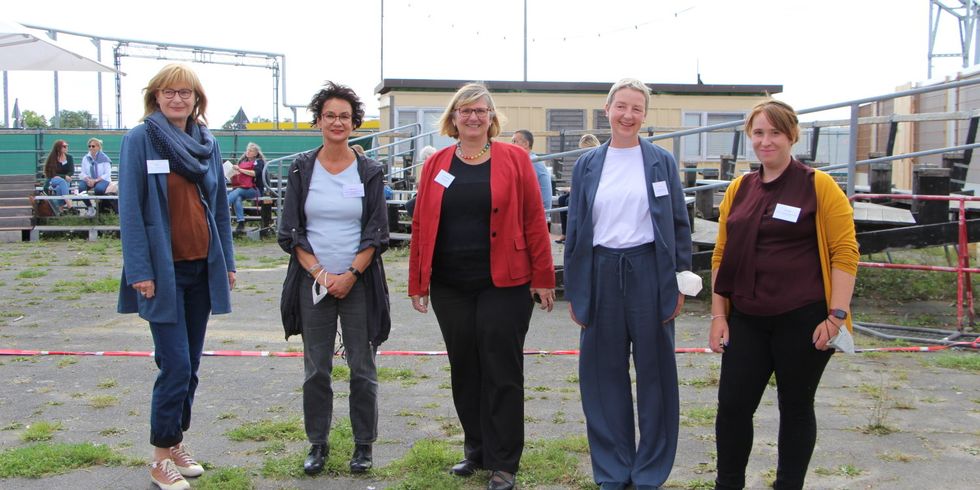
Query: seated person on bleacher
{"points": [[57, 183], [246, 182], [96, 172]]}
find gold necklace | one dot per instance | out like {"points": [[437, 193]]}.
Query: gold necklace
{"points": [[459, 151]]}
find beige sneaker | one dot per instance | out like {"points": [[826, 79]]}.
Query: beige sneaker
{"points": [[184, 462], [165, 475]]}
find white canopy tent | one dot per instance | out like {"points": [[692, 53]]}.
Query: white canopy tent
{"points": [[21, 49]]}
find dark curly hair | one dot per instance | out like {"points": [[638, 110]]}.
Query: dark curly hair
{"points": [[332, 90]]}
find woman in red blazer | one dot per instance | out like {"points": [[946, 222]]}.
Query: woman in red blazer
{"points": [[481, 250]]}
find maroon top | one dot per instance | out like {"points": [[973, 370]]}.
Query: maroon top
{"points": [[771, 264]]}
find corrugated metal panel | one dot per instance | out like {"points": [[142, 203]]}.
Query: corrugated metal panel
{"points": [[559, 119]]}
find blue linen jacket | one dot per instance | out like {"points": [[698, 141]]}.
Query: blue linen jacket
{"points": [[144, 224], [672, 230]]}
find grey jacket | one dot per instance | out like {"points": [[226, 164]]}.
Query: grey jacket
{"points": [[374, 233]]}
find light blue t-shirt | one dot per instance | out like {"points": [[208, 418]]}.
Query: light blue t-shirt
{"points": [[544, 182], [333, 216]]}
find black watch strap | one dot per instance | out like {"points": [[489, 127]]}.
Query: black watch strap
{"points": [[357, 273]]}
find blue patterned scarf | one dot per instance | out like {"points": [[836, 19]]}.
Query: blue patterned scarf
{"points": [[188, 153]]}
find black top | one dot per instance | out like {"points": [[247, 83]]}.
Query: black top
{"points": [[462, 252], [67, 168]]}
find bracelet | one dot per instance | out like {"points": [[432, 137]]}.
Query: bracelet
{"points": [[313, 268], [716, 316]]}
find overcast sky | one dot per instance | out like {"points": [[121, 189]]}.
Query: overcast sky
{"points": [[820, 51]]}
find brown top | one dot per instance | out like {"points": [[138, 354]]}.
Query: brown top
{"points": [[189, 234], [771, 264]]}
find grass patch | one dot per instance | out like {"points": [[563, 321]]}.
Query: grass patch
{"points": [[31, 273], [225, 479], [40, 431], [103, 401], [847, 470], [112, 431], [699, 416], [269, 430], [46, 459], [67, 361], [340, 373], [80, 261], [405, 375], [104, 285], [291, 466], [107, 383], [426, 466], [553, 462], [896, 457], [964, 362]]}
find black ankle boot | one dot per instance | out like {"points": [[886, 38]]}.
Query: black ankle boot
{"points": [[240, 228], [361, 460], [314, 460]]}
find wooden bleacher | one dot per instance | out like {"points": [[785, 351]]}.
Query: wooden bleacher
{"points": [[16, 213]]}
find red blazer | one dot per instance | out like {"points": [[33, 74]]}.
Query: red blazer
{"points": [[520, 245]]}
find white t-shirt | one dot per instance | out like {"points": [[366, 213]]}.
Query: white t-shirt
{"points": [[621, 213]]}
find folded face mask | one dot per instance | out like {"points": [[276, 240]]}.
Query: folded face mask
{"points": [[319, 292], [688, 283], [843, 341]]}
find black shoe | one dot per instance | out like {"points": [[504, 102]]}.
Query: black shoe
{"points": [[501, 480], [314, 460], [465, 467], [240, 228], [361, 460]]}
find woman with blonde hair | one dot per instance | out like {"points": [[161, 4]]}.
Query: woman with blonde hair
{"points": [[247, 182], [178, 257], [480, 249]]}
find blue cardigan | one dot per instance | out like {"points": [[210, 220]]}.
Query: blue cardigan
{"points": [[144, 224], [672, 230]]}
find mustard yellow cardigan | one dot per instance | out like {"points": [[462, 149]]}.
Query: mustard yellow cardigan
{"points": [[836, 240]]}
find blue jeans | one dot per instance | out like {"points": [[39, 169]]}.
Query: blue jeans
{"points": [[98, 189], [59, 187], [177, 352], [239, 194]]}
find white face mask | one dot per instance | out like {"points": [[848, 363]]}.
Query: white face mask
{"points": [[316, 288]]}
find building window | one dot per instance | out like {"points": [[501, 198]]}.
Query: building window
{"points": [[429, 117], [567, 119], [710, 146]]}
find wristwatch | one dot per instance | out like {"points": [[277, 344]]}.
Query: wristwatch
{"points": [[838, 314], [357, 273]]}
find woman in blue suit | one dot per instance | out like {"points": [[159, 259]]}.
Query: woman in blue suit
{"points": [[628, 235], [178, 259]]}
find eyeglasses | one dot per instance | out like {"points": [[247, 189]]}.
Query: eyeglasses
{"points": [[331, 118], [480, 113], [184, 93]]}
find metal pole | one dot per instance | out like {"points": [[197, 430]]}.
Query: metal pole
{"points": [[525, 40], [117, 63], [382, 41], [57, 113], [6, 110], [853, 150], [932, 42], [98, 74]]}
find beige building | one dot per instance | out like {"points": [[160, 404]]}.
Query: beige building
{"points": [[548, 108]]}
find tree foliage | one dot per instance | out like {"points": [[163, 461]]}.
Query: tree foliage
{"points": [[78, 119], [33, 120]]}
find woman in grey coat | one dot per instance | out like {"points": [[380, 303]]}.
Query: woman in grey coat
{"points": [[335, 227]]}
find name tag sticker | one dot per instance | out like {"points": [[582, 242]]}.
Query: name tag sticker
{"points": [[660, 188], [786, 213], [354, 190], [445, 179], [158, 166]]}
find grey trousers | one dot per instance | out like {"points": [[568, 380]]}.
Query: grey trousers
{"points": [[319, 336]]}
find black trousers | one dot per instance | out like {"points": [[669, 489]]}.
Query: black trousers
{"points": [[759, 346], [484, 332], [563, 215]]}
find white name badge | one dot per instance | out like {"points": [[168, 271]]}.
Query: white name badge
{"points": [[786, 213], [660, 188], [158, 166], [445, 179], [353, 190]]}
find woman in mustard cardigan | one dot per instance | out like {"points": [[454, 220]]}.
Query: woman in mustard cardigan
{"points": [[779, 295]]}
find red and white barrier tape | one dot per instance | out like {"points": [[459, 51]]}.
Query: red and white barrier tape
{"points": [[571, 352]]}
